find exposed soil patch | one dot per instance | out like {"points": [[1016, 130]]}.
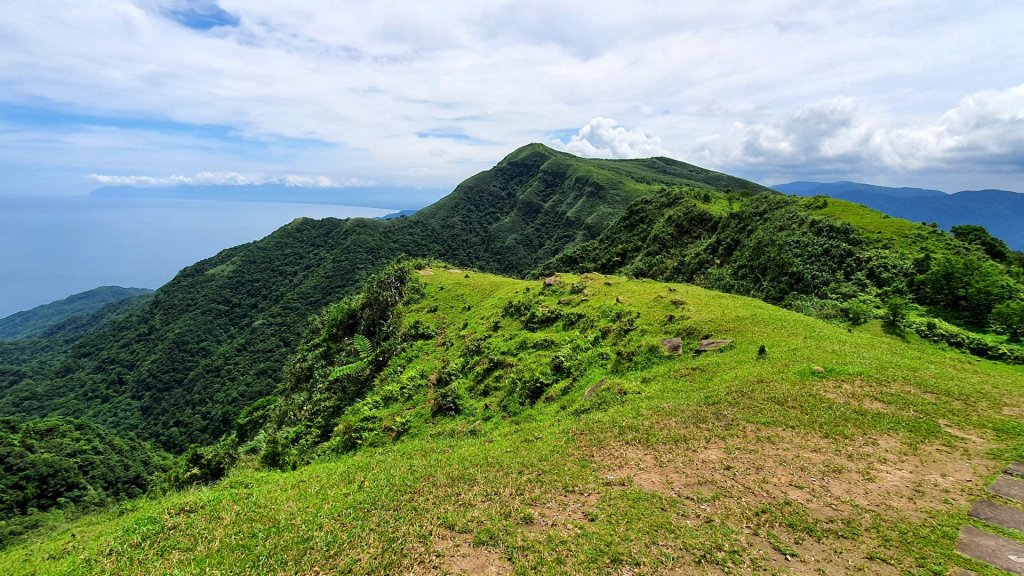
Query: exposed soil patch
{"points": [[459, 557], [566, 512], [798, 495], [852, 394]]}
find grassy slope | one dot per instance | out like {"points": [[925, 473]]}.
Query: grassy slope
{"points": [[846, 451], [903, 235]]}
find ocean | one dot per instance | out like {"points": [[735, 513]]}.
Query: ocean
{"points": [[51, 248]]}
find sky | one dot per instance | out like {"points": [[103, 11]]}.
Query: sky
{"points": [[336, 93]]}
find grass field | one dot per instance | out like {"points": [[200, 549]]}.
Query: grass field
{"points": [[837, 450]]}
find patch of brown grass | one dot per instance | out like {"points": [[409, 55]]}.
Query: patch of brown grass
{"points": [[803, 499]]}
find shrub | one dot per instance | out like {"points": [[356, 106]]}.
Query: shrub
{"points": [[447, 401], [896, 310], [859, 310], [1009, 319]]}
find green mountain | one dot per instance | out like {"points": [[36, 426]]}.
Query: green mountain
{"points": [[999, 211], [68, 314], [213, 341], [215, 338], [545, 426], [463, 423]]}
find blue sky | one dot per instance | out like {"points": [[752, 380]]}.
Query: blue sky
{"points": [[336, 93]]}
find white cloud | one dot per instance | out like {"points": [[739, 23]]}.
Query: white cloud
{"points": [[365, 78], [227, 179], [985, 132], [604, 138]]}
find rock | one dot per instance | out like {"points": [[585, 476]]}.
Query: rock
{"points": [[551, 281], [672, 345], [593, 390], [709, 345], [425, 272], [817, 369]]}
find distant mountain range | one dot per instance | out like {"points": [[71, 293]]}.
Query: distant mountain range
{"points": [[1000, 211], [397, 197]]}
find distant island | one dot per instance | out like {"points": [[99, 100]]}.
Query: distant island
{"points": [[397, 197]]}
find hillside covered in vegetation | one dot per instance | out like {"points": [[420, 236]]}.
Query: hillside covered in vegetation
{"points": [[297, 348], [459, 422], [213, 340], [82, 311]]}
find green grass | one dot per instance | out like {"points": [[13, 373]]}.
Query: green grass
{"points": [[896, 233], [840, 451]]}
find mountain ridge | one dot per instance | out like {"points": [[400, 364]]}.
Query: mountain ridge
{"points": [[214, 340], [36, 321], [175, 364], [999, 211]]}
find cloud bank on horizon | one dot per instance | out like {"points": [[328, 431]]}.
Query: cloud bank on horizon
{"points": [[227, 179], [325, 93]]}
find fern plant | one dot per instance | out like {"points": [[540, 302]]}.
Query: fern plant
{"points": [[365, 350]]}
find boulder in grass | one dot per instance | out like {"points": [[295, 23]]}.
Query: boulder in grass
{"points": [[593, 390], [672, 345], [709, 345], [552, 281]]}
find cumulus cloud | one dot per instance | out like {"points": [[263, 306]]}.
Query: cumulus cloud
{"points": [[985, 131], [604, 138], [227, 179], [362, 80]]}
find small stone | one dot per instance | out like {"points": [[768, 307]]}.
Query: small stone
{"points": [[817, 369], [709, 345], [672, 345], [1016, 469], [593, 390]]}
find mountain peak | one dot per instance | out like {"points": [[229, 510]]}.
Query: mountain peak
{"points": [[534, 151]]}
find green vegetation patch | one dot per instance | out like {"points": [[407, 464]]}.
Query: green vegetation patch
{"points": [[543, 427]]}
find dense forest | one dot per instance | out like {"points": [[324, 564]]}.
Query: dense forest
{"points": [[260, 352], [73, 315], [62, 462]]}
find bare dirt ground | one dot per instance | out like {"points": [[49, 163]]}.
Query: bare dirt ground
{"points": [[838, 485]]}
